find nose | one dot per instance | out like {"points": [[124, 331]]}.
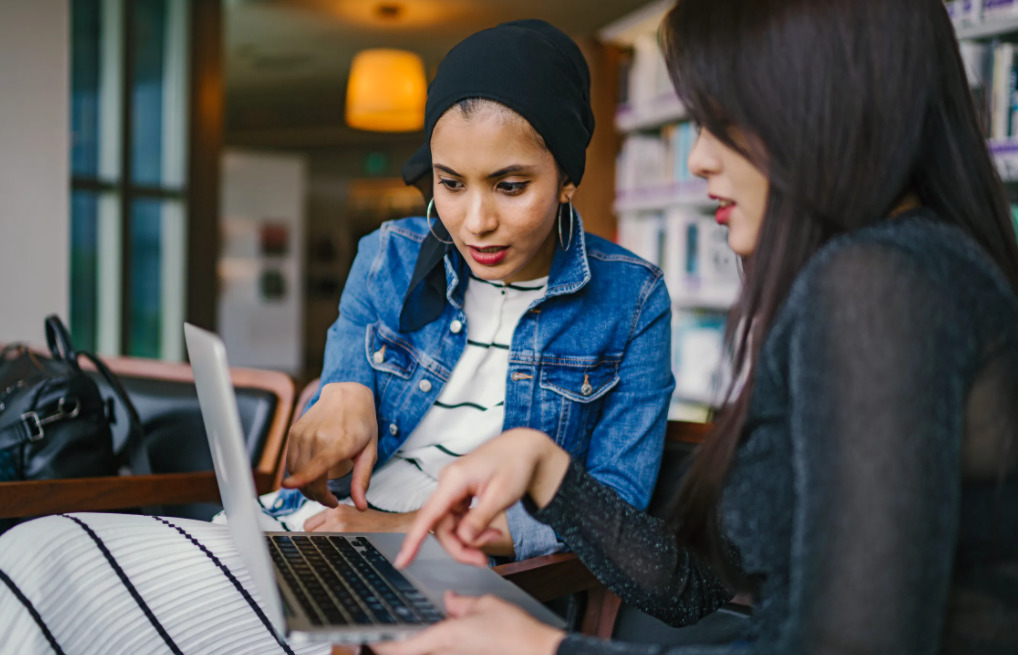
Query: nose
{"points": [[481, 217], [703, 160]]}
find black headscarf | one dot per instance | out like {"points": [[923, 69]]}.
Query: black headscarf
{"points": [[535, 70]]}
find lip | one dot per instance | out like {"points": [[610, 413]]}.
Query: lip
{"points": [[489, 258], [722, 214]]}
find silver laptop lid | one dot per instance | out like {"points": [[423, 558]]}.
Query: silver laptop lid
{"points": [[218, 404]]}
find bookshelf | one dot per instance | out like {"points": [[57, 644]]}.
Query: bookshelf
{"points": [[663, 212], [987, 32]]}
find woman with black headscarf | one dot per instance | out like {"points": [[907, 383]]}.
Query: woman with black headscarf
{"points": [[494, 311]]}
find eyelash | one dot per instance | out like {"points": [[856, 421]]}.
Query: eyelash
{"points": [[513, 188], [510, 188]]}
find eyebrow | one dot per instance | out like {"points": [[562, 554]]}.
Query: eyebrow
{"points": [[502, 172]]}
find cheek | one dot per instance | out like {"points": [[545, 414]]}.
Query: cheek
{"points": [[531, 221], [451, 212]]}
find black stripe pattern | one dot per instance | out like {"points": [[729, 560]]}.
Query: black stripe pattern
{"points": [[233, 579], [478, 344], [502, 285], [481, 408], [447, 451], [34, 612], [127, 583]]}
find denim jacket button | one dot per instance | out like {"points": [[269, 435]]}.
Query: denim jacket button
{"points": [[586, 389], [393, 429], [424, 385], [455, 327], [379, 356]]}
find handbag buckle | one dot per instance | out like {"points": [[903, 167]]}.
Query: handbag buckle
{"points": [[65, 409], [34, 425]]}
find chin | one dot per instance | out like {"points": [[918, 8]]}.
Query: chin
{"points": [[739, 247]]}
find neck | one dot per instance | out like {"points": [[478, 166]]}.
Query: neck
{"points": [[908, 202]]}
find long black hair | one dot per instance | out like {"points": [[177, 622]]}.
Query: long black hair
{"points": [[848, 106]]}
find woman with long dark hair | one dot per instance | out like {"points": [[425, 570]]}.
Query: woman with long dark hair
{"points": [[860, 481]]}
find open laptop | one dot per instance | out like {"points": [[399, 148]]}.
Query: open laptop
{"points": [[327, 587]]}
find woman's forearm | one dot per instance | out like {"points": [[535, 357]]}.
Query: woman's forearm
{"points": [[551, 464]]}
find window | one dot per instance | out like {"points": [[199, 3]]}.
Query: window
{"points": [[129, 110]]}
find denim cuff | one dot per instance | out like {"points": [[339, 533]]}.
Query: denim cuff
{"points": [[531, 538]]}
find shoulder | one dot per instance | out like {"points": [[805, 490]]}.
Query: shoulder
{"points": [[412, 229], [622, 279], [397, 238], [387, 256], [602, 252], [903, 268], [917, 249]]}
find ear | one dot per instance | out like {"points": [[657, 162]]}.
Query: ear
{"points": [[566, 192]]}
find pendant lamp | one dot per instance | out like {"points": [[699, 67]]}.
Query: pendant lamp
{"points": [[386, 91]]}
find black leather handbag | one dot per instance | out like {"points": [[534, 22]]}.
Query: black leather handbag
{"points": [[54, 423]]}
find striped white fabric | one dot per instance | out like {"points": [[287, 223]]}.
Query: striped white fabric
{"points": [[471, 407], [113, 583]]}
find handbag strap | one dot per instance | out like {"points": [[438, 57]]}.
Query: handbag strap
{"points": [[17, 433], [31, 427], [59, 341], [137, 454]]}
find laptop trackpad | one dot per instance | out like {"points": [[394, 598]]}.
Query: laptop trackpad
{"points": [[436, 571]]}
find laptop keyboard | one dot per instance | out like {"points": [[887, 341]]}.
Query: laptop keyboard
{"points": [[346, 581]]}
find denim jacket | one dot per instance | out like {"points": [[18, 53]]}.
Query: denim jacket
{"points": [[589, 363]]}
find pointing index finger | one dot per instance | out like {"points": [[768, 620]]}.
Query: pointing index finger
{"points": [[437, 506]]}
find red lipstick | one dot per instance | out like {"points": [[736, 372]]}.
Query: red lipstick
{"points": [[724, 211], [489, 256]]}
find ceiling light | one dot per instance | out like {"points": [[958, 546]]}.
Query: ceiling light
{"points": [[386, 91]]}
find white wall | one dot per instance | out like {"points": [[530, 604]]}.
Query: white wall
{"points": [[259, 190], [34, 168]]}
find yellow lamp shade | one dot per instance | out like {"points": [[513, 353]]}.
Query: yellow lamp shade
{"points": [[386, 92]]}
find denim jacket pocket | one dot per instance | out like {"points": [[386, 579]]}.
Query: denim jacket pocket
{"points": [[387, 352], [575, 386], [577, 381]]}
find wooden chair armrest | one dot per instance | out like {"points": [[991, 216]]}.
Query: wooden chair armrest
{"points": [[38, 497], [549, 576]]}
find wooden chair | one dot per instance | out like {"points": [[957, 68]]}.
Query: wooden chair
{"points": [[270, 392]]}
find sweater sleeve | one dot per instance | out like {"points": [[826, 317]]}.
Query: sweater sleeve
{"points": [[634, 554]]}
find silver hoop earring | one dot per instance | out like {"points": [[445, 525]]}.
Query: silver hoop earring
{"points": [[431, 205], [572, 217]]}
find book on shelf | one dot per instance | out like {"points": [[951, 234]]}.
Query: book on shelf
{"points": [[700, 270], [697, 349], [966, 13], [646, 74], [992, 71], [1002, 95], [656, 161]]}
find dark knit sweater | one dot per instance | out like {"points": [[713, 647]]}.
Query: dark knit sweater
{"points": [[866, 494]]}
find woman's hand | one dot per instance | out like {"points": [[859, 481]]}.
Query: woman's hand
{"points": [[496, 475], [479, 625], [340, 426], [344, 518]]}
